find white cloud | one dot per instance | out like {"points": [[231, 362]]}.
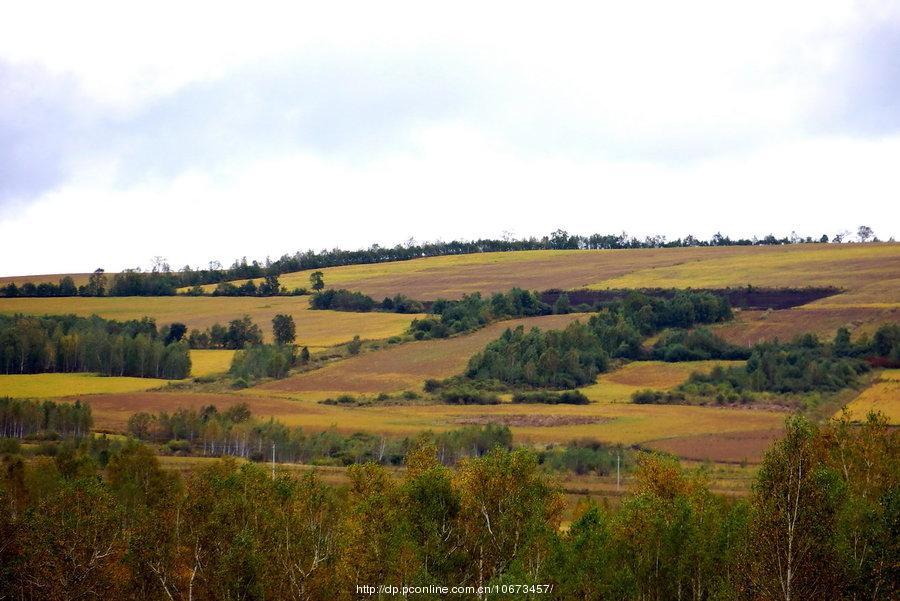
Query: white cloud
{"points": [[460, 121], [456, 184]]}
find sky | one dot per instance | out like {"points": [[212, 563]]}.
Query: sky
{"points": [[206, 131]]}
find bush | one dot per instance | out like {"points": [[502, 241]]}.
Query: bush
{"points": [[9, 446], [263, 361], [342, 300], [567, 397], [467, 395]]}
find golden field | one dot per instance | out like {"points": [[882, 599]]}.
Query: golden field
{"points": [[870, 273], [618, 386], [616, 423], [883, 395], [210, 362], [315, 329], [61, 385]]}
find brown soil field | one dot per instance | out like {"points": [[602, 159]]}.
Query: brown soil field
{"points": [[730, 447], [530, 419], [750, 327], [50, 278], [111, 411], [406, 366]]}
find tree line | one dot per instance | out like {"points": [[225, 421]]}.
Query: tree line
{"points": [[820, 523], [26, 418], [161, 280], [67, 343], [574, 356]]}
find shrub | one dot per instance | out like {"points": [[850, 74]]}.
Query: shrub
{"points": [[567, 397]]}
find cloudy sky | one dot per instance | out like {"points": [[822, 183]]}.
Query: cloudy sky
{"points": [[200, 131]]}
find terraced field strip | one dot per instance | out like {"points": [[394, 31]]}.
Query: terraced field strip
{"points": [[883, 395], [48, 386], [402, 367], [316, 329]]}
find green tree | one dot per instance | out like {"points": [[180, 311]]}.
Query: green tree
{"points": [[284, 329], [96, 285], [316, 280], [795, 504]]}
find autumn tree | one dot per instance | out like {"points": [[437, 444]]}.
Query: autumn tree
{"points": [[795, 503]]}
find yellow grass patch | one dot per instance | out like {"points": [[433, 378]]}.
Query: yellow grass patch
{"points": [[316, 329], [883, 395], [869, 272], [618, 386], [58, 385], [207, 362], [618, 423]]}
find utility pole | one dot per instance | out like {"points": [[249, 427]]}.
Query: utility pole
{"points": [[273, 460]]}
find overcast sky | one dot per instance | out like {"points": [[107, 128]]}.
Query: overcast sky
{"points": [[201, 131]]}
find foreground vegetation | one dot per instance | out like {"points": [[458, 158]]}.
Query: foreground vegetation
{"points": [[821, 523]]}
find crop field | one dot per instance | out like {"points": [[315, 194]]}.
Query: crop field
{"points": [[210, 362], [315, 329], [617, 423], [404, 367], [730, 447], [618, 386], [51, 278], [44, 386], [883, 395], [870, 273], [751, 327]]}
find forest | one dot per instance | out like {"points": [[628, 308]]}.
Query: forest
{"points": [[821, 522], [66, 343]]}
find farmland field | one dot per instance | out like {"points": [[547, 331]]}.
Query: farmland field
{"points": [[869, 273], [618, 386], [617, 423], [883, 395], [404, 367], [210, 362], [750, 327], [60, 385], [315, 329], [869, 276]]}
